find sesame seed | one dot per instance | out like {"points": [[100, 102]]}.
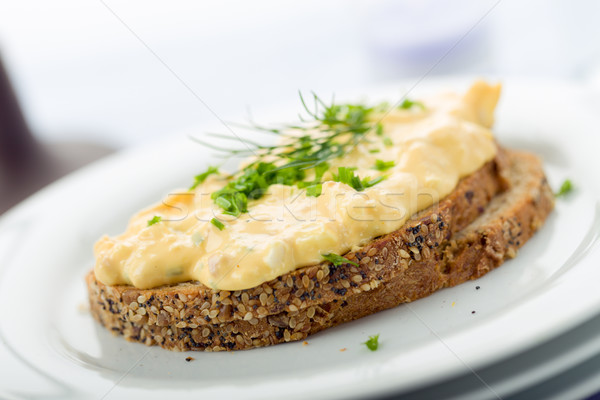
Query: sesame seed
{"points": [[371, 252], [292, 307], [262, 310], [310, 312], [305, 281], [404, 254], [136, 318], [245, 298], [263, 298], [168, 309], [365, 287], [253, 321], [248, 316], [141, 299], [426, 252], [357, 278]]}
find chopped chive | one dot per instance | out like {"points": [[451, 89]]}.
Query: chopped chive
{"points": [[199, 179], [381, 165], [155, 220], [217, 223], [314, 190], [337, 260], [408, 104], [373, 342], [565, 188]]}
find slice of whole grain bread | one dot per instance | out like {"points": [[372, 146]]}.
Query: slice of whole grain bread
{"points": [[488, 216]]}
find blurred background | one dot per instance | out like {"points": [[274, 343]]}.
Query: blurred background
{"points": [[81, 79]]}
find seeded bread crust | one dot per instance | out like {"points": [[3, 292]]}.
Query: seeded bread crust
{"points": [[489, 215]]}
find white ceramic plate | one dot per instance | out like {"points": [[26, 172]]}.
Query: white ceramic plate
{"points": [[46, 249]]}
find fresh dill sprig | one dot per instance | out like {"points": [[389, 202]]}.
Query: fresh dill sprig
{"points": [[329, 132]]}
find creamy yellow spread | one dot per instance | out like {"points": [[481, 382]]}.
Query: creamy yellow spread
{"points": [[432, 147]]}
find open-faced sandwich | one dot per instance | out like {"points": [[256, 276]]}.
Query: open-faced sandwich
{"points": [[354, 211]]}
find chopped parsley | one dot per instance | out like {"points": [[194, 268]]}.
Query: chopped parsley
{"points": [[407, 104], [337, 260], [387, 142], [379, 129], [381, 165], [155, 220], [217, 223], [348, 176], [199, 179], [373, 342], [565, 188]]}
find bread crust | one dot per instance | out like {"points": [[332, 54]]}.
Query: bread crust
{"points": [[484, 221]]}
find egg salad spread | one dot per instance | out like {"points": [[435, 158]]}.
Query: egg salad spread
{"points": [[329, 186]]}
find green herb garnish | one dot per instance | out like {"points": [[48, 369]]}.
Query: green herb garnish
{"points": [[155, 220], [331, 131], [348, 176], [314, 190], [381, 165], [387, 142], [337, 260], [217, 223], [408, 104], [565, 188], [199, 179], [373, 342]]}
